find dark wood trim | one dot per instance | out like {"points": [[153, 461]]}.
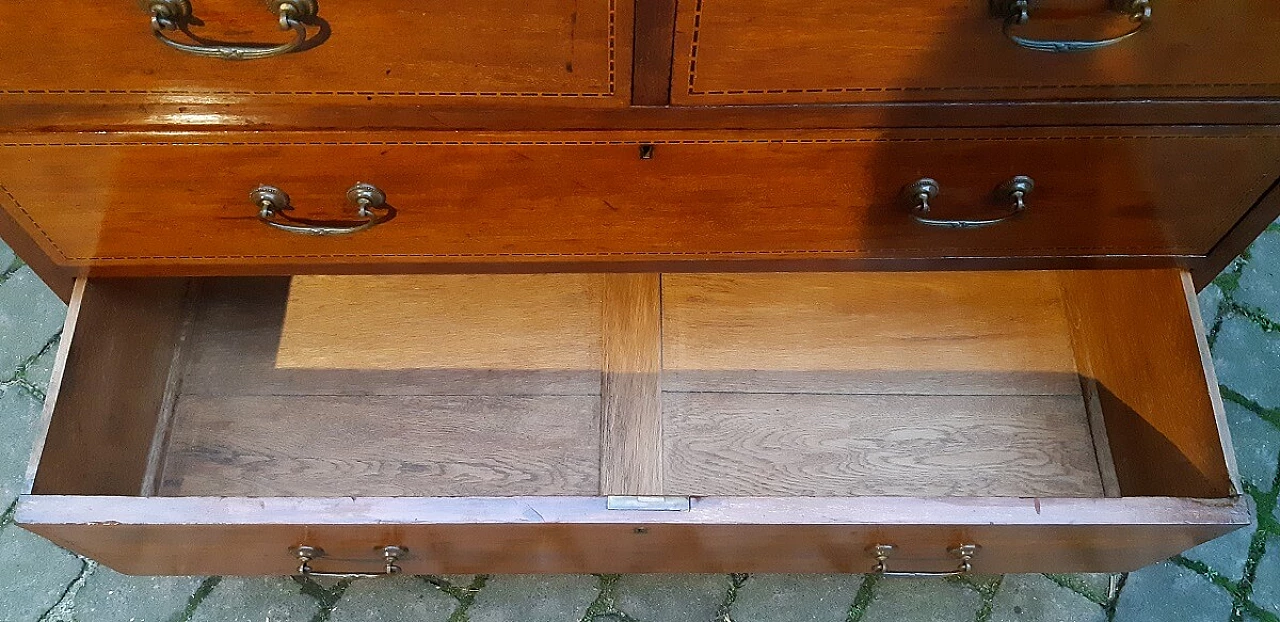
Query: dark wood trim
{"points": [[383, 265], [1254, 222], [94, 114], [654, 37], [248, 536]]}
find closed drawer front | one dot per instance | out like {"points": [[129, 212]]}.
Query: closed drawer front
{"points": [[140, 205], [1060, 421], [535, 53], [801, 51]]}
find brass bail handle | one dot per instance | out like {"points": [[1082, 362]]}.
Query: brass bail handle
{"points": [[1019, 13], [964, 552], [176, 15], [921, 194], [391, 554], [369, 201]]}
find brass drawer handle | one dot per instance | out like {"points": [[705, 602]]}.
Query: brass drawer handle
{"points": [[925, 190], [390, 555], [171, 15], [964, 552], [272, 203], [1018, 12]]}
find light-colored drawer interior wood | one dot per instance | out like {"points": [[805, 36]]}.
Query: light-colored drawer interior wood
{"points": [[995, 387]]}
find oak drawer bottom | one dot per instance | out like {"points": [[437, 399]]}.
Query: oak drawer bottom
{"points": [[1062, 421]]}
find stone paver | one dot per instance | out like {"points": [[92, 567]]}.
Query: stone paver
{"points": [[1266, 587], [532, 598], [672, 598], [1037, 597], [895, 600], [1169, 592], [1256, 444], [108, 596], [1246, 358], [1260, 276], [29, 316], [254, 599], [34, 574], [795, 598], [402, 599], [21, 411], [1232, 579]]}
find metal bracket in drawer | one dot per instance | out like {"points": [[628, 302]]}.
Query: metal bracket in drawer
{"points": [[631, 502]]}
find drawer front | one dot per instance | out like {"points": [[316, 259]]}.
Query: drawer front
{"points": [[141, 206], [205, 536], [537, 53], [828, 51]]}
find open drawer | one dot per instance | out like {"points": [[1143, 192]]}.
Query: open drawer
{"points": [[1060, 421]]}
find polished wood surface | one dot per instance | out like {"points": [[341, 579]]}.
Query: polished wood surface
{"points": [[654, 41], [1263, 213], [1135, 337], [236, 536], [541, 53], [48, 113], [58, 278], [538, 200], [807, 51], [116, 360]]}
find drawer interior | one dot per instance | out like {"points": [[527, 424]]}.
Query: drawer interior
{"points": [[990, 384]]}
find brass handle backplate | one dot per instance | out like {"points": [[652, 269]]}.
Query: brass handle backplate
{"points": [[964, 552], [176, 15], [1018, 12], [922, 193], [390, 556], [369, 201]]}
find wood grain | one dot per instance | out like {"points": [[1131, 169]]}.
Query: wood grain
{"points": [[533, 54], [1136, 337], [498, 322], [397, 335], [833, 445], [41, 260], [827, 51], [88, 113], [236, 536], [1249, 227], [525, 201], [112, 386], [654, 41], [911, 333], [257, 446], [631, 417]]}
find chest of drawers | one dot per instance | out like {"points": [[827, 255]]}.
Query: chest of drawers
{"points": [[640, 286]]}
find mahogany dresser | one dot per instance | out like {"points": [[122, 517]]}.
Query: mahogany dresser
{"points": [[365, 287]]}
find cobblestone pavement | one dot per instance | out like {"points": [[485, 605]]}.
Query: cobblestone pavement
{"points": [[1235, 578]]}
